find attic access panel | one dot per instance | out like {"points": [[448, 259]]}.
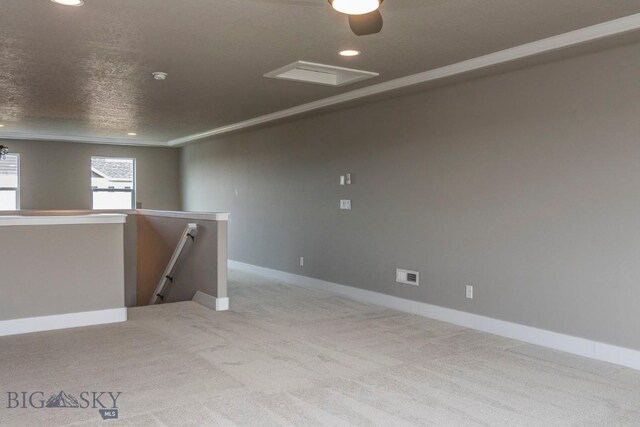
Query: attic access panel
{"points": [[328, 75]]}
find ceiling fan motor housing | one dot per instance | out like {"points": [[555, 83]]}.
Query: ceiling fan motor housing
{"points": [[366, 23]]}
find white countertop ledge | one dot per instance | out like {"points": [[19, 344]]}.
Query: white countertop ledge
{"points": [[207, 216], [16, 220]]}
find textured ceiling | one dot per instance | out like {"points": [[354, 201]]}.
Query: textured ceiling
{"points": [[87, 71]]}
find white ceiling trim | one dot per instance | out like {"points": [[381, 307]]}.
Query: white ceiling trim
{"points": [[572, 38], [82, 139]]}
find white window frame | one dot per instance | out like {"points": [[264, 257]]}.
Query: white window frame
{"points": [[17, 189], [133, 190]]}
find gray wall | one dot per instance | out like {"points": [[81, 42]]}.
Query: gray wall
{"points": [[59, 269], [56, 175], [525, 185]]}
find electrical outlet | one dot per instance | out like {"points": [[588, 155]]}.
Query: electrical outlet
{"points": [[301, 261], [347, 179], [469, 292]]}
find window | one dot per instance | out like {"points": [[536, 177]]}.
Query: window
{"points": [[10, 183], [113, 182]]}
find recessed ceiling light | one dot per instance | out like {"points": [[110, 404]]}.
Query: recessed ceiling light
{"points": [[75, 3], [349, 52], [132, 134], [159, 75], [355, 7], [1, 126]]}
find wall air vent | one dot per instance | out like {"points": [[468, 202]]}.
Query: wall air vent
{"points": [[407, 277], [320, 74]]}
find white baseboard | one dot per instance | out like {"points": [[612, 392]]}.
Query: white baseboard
{"points": [[217, 304], [567, 343], [62, 321], [222, 304]]}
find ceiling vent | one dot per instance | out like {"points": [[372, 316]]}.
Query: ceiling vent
{"points": [[320, 74]]}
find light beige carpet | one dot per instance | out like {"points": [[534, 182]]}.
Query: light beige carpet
{"points": [[290, 356]]}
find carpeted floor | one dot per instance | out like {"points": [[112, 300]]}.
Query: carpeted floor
{"points": [[285, 355]]}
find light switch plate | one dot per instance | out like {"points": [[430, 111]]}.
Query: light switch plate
{"points": [[345, 204]]}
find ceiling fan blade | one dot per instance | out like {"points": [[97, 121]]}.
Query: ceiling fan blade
{"points": [[369, 23]]}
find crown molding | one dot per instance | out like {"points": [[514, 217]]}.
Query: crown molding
{"points": [[572, 38], [82, 139]]}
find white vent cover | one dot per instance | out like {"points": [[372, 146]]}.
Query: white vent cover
{"points": [[321, 74], [407, 277]]}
